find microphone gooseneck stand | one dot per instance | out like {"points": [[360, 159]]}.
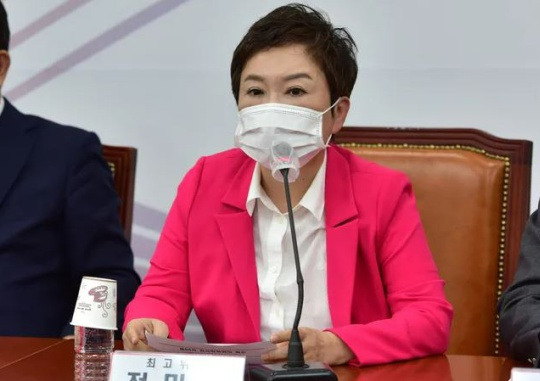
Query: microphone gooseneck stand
{"points": [[295, 368]]}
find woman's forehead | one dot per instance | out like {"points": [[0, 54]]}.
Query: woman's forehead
{"points": [[283, 61]]}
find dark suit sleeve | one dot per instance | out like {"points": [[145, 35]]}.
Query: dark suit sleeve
{"points": [[519, 307], [95, 240]]}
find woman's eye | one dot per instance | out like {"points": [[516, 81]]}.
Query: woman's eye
{"points": [[254, 92], [296, 91]]}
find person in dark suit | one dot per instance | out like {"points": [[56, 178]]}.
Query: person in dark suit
{"points": [[58, 220], [519, 306]]}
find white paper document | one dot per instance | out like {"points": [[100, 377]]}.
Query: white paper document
{"points": [[251, 351], [525, 374]]}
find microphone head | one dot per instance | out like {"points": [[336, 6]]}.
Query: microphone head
{"points": [[283, 156]]}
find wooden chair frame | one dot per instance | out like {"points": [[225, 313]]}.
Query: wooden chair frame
{"points": [[517, 155], [123, 161]]}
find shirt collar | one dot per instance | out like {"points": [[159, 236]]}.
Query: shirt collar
{"points": [[255, 190], [2, 104], [313, 199]]}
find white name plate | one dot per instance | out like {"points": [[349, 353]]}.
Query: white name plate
{"points": [[525, 374], [155, 366]]}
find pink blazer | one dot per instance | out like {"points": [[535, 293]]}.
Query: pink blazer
{"points": [[386, 298]]}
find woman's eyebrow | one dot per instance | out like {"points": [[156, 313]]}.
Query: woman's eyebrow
{"points": [[290, 77], [254, 77]]}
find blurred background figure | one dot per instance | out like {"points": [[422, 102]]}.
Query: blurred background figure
{"points": [[519, 306], [58, 219]]}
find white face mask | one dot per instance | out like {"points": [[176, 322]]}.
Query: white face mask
{"points": [[262, 126]]}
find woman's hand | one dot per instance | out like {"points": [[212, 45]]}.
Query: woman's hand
{"points": [[134, 336], [318, 346]]}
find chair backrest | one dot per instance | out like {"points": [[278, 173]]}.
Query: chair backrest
{"points": [[472, 191], [122, 161]]}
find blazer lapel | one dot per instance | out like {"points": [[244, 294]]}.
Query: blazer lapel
{"points": [[15, 146], [236, 227], [341, 237]]}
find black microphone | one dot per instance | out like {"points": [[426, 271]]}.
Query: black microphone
{"points": [[295, 368]]}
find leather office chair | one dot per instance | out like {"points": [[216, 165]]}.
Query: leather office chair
{"points": [[122, 161], [472, 191]]}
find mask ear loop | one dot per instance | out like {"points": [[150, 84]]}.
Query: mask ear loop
{"points": [[330, 108], [327, 144], [324, 112]]}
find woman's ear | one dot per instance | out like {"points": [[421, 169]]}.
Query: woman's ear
{"points": [[340, 113]]}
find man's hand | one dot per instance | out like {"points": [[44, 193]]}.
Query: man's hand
{"points": [[134, 336], [318, 346]]}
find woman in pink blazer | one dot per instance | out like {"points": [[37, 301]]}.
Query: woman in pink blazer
{"points": [[383, 296]]}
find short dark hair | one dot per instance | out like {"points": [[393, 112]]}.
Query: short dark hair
{"points": [[332, 49], [4, 28]]}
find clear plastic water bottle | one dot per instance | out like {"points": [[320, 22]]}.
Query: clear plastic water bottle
{"points": [[93, 349]]}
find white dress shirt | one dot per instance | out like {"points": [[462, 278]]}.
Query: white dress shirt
{"points": [[276, 273]]}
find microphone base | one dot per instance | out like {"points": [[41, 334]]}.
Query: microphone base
{"points": [[279, 372]]}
